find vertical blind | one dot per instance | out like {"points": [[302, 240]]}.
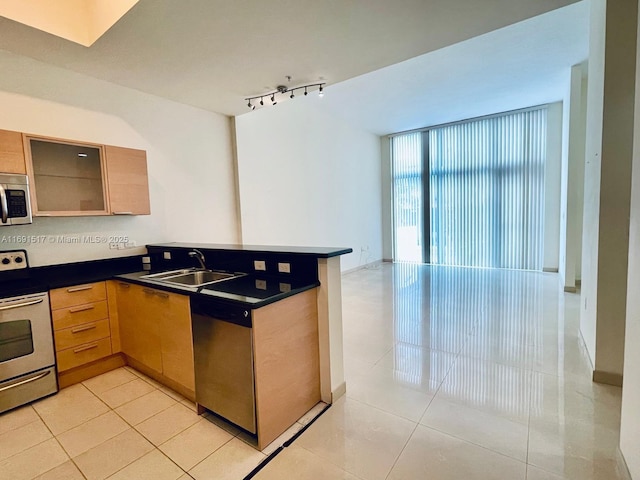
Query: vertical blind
{"points": [[484, 194]]}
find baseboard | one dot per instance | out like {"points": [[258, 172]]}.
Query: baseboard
{"points": [[623, 464], [339, 392], [90, 370], [387, 260], [550, 270], [570, 289], [607, 378], [373, 264]]}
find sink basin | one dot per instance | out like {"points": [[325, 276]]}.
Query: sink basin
{"points": [[191, 277]]}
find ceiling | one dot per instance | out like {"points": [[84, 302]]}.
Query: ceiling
{"points": [[518, 66], [213, 53]]}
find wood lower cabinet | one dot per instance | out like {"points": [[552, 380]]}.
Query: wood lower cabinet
{"points": [[82, 329], [11, 153], [155, 330]]}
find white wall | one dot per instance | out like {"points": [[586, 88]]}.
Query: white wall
{"points": [[630, 421], [607, 186], [189, 158], [308, 178], [573, 143], [552, 189]]}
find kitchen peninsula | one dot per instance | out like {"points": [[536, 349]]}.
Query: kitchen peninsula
{"points": [[142, 311]]}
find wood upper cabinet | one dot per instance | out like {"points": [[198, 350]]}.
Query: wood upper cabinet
{"points": [[155, 330], [11, 153], [128, 181]]}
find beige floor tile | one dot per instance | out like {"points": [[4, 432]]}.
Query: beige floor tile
{"points": [[487, 430], [152, 466], [33, 462], [172, 393], [189, 404], [298, 463], [88, 435], [17, 418], [109, 380], [168, 423], [358, 438], [186, 476], [490, 387], [144, 407], [194, 444], [385, 389], [66, 471], [431, 454], [125, 393], [417, 364], [287, 435], [23, 438], [234, 460], [535, 473], [111, 456], [575, 450], [69, 408]]}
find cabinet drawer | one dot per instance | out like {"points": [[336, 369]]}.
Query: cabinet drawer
{"points": [[88, 332], [85, 353], [78, 315], [77, 295]]}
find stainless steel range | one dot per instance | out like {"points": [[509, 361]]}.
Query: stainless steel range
{"points": [[27, 358]]}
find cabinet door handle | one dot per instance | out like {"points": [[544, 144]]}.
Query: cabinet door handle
{"points": [[122, 213], [85, 347], [79, 289], [148, 291], [162, 294], [124, 284], [83, 328], [82, 308]]}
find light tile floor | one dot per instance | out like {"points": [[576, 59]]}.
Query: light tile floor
{"points": [[452, 373], [457, 373], [125, 426]]}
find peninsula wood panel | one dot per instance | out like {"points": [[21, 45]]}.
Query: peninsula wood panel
{"points": [[128, 180], [286, 363], [11, 152]]}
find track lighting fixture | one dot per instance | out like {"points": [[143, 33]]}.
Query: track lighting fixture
{"points": [[282, 89]]}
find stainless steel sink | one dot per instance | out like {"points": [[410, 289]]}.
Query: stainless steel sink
{"points": [[192, 277]]}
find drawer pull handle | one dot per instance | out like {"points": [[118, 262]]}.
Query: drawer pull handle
{"points": [[124, 284], [162, 294], [83, 328], [79, 289], [86, 347], [122, 213], [82, 308], [148, 291]]}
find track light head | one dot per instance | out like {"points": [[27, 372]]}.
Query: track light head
{"points": [[320, 92], [273, 99], [261, 101], [292, 95], [252, 107], [305, 91]]}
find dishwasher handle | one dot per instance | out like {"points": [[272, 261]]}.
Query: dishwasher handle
{"points": [[217, 310]]}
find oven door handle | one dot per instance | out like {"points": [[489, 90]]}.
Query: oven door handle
{"points": [[25, 304], [4, 204], [25, 381]]}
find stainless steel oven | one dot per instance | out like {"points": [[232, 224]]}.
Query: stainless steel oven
{"points": [[27, 358], [15, 205]]}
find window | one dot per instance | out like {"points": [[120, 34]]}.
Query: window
{"points": [[472, 193]]}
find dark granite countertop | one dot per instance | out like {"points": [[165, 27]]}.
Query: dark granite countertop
{"points": [[252, 291], [319, 252]]}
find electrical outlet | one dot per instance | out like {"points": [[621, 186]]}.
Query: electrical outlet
{"points": [[261, 284], [284, 267], [260, 265], [166, 255], [146, 260], [285, 287]]}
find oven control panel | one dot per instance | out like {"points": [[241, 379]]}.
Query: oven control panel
{"points": [[13, 260]]}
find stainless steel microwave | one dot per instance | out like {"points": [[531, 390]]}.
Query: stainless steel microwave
{"points": [[15, 205]]}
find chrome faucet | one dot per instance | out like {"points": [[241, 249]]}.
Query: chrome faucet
{"points": [[198, 255]]}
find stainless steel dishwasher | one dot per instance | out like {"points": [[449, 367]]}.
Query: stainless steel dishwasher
{"points": [[223, 360]]}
